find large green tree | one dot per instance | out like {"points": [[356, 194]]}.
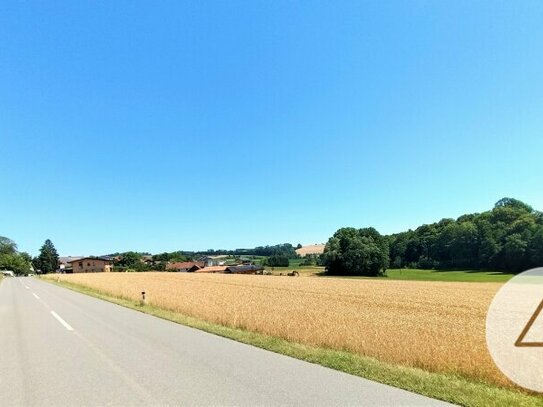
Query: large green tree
{"points": [[7, 246], [130, 259], [11, 259], [47, 261], [133, 261], [277, 261], [353, 251]]}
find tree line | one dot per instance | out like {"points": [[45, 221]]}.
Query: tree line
{"points": [[22, 263], [275, 256], [282, 249], [509, 237], [272, 256]]}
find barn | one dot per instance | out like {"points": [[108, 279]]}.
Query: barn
{"points": [[244, 269]]}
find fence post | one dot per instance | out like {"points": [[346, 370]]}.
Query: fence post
{"points": [[143, 302]]}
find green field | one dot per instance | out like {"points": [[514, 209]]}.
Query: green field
{"points": [[474, 276], [294, 264], [440, 275], [407, 274], [399, 274]]}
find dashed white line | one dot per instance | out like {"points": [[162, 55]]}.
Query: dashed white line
{"points": [[63, 323], [27, 287], [36, 296]]}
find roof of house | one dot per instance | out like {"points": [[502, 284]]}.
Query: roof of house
{"points": [[212, 269], [185, 265], [68, 259], [240, 269], [91, 258]]}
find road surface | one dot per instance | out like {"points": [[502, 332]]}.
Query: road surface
{"points": [[62, 348]]}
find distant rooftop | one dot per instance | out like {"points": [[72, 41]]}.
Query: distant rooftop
{"points": [[103, 258], [68, 259]]}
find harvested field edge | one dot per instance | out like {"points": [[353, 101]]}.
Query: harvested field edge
{"points": [[451, 388]]}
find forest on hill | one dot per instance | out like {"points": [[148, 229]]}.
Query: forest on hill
{"points": [[509, 237]]}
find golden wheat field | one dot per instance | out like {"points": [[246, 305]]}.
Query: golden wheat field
{"points": [[433, 325]]}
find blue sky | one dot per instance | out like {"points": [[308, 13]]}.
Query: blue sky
{"points": [[154, 126]]}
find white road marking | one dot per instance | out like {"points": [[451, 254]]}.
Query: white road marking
{"points": [[59, 319], [27, 287], [36, 296]]}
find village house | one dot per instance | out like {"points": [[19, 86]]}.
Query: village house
{"points": [[65, 263], [92, 265], [185, 266], [211, 261], [147, 259]]}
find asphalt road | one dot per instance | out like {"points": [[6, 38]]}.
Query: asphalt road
{"points": [[61, 348]]}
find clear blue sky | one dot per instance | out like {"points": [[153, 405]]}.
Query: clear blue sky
{"points": [[166, 125]]}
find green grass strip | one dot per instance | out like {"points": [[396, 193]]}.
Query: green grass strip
{"points": [[452, 388]]}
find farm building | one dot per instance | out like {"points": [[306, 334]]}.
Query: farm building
{"points": [[211, 261], [185, 266], [91, 265], [246, 260], [212, 269], [246, 269]]}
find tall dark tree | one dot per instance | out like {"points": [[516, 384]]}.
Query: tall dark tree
{"points": [[536, 247], [47, 261]]}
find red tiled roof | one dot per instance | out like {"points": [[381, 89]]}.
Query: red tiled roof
{"points": [[185, 265], [213, 269]]}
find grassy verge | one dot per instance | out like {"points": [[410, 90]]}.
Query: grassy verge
{"points": [[447, 387]]}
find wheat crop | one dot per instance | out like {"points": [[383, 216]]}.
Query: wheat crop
{"points": [[436, 326]]}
